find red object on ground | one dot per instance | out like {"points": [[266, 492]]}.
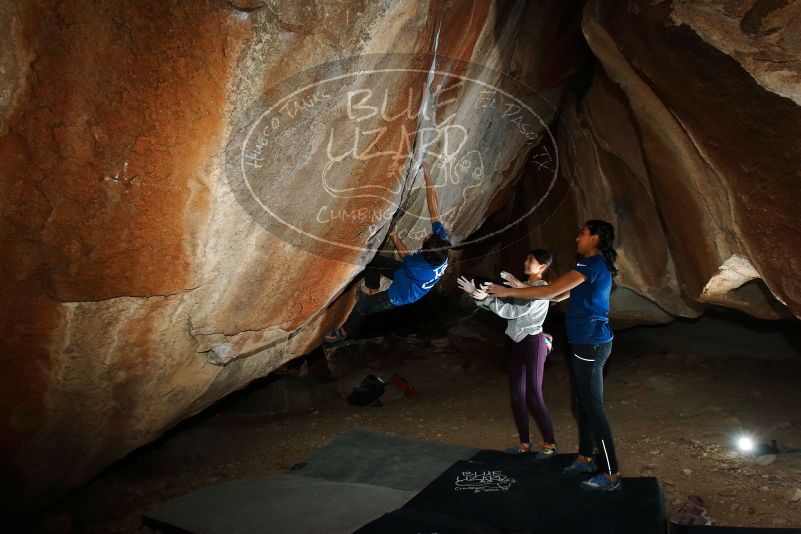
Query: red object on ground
{"points": [[401, 383]]}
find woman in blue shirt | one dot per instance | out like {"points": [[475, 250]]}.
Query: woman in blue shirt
{"points": [[587, 284]]}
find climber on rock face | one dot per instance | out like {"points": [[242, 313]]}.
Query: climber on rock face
{"points": [[412, 277]]}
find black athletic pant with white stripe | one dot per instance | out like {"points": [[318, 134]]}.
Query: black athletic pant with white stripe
{"points": [[588, 372]]}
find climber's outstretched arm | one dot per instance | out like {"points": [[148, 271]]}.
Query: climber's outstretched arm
{"points": [[399, 246], [431, 194]]}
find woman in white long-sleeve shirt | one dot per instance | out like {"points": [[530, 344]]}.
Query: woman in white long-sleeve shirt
{"points": [[531, 347]]}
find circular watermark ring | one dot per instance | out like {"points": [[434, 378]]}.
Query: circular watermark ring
{"points": [[329, 158]]}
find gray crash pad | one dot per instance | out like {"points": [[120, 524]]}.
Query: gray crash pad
{"points": [[355, 479], [368, 457], [277, 504]]}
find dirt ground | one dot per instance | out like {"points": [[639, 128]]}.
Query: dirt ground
{"points": [[675, 415]]}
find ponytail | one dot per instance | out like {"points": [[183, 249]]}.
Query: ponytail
{"points": [[606, 239]]}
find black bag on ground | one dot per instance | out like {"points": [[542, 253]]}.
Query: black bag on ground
{"points": [[368, 393]]}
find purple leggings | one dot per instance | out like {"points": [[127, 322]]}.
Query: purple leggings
{"points": [[525, 387]]}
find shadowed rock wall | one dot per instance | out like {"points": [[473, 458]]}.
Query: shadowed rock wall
{"points": [[686, 140]]}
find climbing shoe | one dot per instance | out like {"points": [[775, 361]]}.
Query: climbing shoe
{"points": [[521, 448], [547, 452], [335, 336], [580, 468], [601, 483]]}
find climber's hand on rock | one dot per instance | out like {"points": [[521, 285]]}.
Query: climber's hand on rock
{"points": [[427, 174]]}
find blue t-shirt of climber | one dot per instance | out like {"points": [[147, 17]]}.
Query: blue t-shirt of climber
{"points": [[416, 276], [587, 320]]}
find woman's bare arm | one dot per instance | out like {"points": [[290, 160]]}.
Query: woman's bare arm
{"points": [[561, 285]]}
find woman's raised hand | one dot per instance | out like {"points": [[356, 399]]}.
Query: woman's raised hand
{"points": [[511, 280], [481, 292], [468, 286]]}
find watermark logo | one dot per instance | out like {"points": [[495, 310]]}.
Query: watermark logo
{"points": [[332, 158], [483, 481]]}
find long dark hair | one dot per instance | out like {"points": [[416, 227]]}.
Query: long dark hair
{"points": [[606, 239], [543, 257]]}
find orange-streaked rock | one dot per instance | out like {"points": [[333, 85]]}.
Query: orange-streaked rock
{"points": [[131, 265]]}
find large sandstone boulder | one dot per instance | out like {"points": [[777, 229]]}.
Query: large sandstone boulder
{"points": [[145, 275]]}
